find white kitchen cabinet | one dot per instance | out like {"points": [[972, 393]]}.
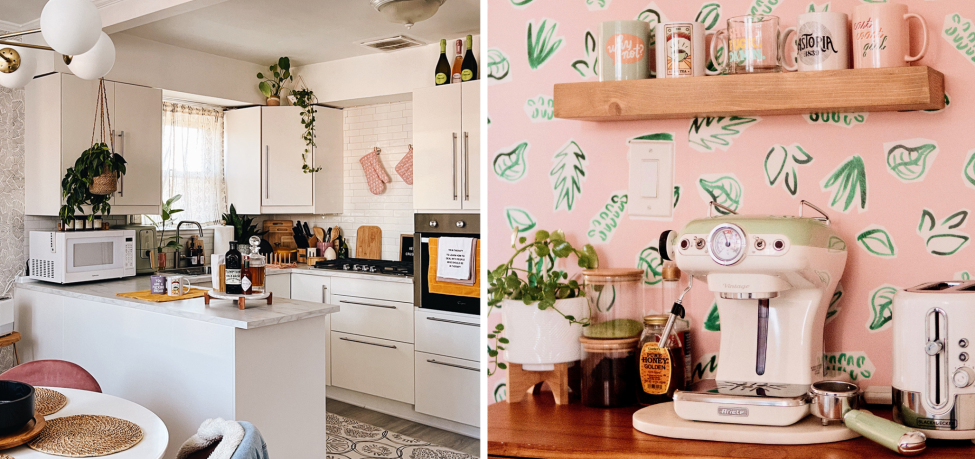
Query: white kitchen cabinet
{"points": [[448, 333], [446, 147], [317, 289], [373, 366], [264, 164], [392, 320], [279, 285], [59, 113], [448, 388]]}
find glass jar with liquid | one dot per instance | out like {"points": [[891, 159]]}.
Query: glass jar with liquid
{"points": [[609, 372], [661, 367]]}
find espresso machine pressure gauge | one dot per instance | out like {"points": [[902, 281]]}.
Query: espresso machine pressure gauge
{"points": [[726, 244]]}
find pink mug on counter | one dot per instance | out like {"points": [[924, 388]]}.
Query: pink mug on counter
{"points": [[881, 37]]}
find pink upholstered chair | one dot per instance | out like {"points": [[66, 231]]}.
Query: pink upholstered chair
{"points": [[52, 373]]}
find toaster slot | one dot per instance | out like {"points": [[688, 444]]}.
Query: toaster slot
{"points": [[938, 286], [936, 332]]}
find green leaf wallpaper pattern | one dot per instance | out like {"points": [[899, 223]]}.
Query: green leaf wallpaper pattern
{"points": [[663, 136], [778, 158], [653, 15], [910, 160], [705, 367], [709, 15], [962, 275], [850, 182], [713, 321], [943, 239], [540, 108], [510, 164], [519, 218], [834, 303], [520, 3], [848, 366], [846, 120], [939, 110], [676, 195], [763, 6], [814, 8], [589, 66], [724, 189], [957, 32], [876, 241], [603, 225], [652, 265], [710, 133], [498, 66], [597, 5], [567, 174], [881, 300], [542, 43], [968, 172]]}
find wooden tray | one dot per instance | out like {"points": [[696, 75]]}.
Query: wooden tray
{"points": [[25, 434], [240, 299]]}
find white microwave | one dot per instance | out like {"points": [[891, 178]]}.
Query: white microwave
{"points": [[69, 257]]}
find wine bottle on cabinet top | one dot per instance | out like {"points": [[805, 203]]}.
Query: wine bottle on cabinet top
{"points": [[469, 67], [458, 67], [442, 73]]}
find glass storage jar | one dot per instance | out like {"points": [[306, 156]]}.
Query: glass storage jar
{"points": [[610, 377], [661, 368], [616, 303]]}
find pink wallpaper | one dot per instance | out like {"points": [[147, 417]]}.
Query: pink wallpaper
{"points": [[911, 176]]}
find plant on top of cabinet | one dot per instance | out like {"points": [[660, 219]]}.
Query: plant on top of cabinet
{"points": [[545, 288], [271, 84], [243, 226], [166, 216], [305, 98]]}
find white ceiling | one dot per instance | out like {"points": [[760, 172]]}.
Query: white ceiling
{"points": [[20, 11], [308, 31]]}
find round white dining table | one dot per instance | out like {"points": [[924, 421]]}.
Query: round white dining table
{"points": [[155, 434]]}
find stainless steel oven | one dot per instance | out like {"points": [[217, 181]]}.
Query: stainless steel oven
{"points": [[441, 225]]}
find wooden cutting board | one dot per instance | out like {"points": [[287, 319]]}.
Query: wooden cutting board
{"points": [[369, 243]]}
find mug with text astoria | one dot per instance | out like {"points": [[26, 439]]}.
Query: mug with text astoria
{"points": [[881, 38], [822, 42], [623, 53]]}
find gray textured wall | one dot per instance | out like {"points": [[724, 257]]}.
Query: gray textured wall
{"points": [[12, 248]]}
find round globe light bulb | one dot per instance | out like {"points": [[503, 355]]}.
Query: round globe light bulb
{"points": [[24, 74], [97, 62], [71, 27]]}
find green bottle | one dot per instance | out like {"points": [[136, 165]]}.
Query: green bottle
{"points": [[443, 67], [469, 67]]}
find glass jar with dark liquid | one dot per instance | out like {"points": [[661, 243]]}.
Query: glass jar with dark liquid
{"points": [[661, 368]]}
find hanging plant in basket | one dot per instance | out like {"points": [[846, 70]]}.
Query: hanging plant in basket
{"points": [[305, 98], [95, 174]]}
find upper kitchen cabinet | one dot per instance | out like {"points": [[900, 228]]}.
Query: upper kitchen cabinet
{"points": [[446, 150], [60, 112], [264, 164]]}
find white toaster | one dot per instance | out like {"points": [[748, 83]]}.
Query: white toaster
{"points": [[933, 349]]}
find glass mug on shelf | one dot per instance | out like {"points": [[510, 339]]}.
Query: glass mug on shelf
{"points": [[881, 38], [752, 44]]}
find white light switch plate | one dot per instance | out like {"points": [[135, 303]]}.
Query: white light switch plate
{"points": [[651, 189]]}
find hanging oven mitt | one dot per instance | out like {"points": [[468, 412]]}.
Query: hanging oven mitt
{"points": [[405, 167], [375, 174]]}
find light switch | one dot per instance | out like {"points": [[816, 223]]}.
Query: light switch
{"points": [[651, 187]]}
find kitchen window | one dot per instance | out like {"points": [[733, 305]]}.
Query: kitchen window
{"points": [[192, 158]]}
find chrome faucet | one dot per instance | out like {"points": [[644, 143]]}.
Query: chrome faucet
{"points": [[179, 253]]}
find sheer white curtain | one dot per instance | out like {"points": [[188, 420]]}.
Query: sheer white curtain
{"points": [[193, 162]]}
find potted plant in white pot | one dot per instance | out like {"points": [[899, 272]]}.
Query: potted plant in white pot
{"points": [[542, 310]]}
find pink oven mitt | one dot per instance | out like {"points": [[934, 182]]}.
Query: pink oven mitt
{"points": [[405, 167], [375, 174]]}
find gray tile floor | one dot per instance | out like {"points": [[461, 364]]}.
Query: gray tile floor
{"points": [[433, 435]]}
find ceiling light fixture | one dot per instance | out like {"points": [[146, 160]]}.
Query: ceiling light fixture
{"points": [[407, 12], [73, 28]]}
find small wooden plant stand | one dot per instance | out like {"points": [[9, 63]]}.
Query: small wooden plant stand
{"points": [[521, 380], [240, 299]]}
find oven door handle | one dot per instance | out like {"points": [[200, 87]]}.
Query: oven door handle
{"points": [[366, 342], [437, 319]]}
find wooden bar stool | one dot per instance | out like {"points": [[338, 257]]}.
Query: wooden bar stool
{"points": [[11, 340]]}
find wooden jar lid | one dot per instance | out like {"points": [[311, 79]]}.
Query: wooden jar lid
{"points": [[608, 345], [612, 275]]}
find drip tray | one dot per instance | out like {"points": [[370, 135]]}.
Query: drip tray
{"points": [[740, 402]]}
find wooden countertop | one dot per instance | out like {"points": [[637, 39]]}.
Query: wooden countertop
{"points": [[537, 428]]}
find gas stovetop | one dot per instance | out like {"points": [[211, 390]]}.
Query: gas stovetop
{"points": [[362, 265]]}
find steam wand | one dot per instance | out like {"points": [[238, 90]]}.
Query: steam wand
{"points": [[676, 310]]}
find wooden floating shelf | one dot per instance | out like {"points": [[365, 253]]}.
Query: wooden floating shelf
{"points": [[789, 93]]}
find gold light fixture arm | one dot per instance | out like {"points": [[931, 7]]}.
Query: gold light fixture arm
{"points": [[19, 34], [25, 45]]}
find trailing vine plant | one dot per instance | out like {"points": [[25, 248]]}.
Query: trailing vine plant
{"points": [[305, 98], [542, 286]]}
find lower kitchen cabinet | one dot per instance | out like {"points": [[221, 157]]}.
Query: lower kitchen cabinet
{"points": [[279, 285], [374, 366], [448, 388], [448, 333], [392, 320], [317, 289]]}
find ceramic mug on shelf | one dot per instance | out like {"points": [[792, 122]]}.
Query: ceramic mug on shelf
{"points": [[881, 37], [753, 44], [623, 50], [822, 42], [177, 286], [680, 50]]}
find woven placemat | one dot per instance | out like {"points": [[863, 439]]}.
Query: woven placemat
{"points": [[47, 401], [147, 295], [86, 436], [4, 456]]}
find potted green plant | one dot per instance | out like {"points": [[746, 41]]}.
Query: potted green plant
{"points": [[166, 215], [305, 98], [91, 182], [272, 82], [542, 310], [243, 226]]}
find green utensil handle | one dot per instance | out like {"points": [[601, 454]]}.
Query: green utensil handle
{"points": [[900, 439]]}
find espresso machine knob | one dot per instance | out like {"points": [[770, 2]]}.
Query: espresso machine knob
{"points": [[934, 347], [963, 377]]}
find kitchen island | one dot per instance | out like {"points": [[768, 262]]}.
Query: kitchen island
{"points": [[538, 428], [188, 362]]}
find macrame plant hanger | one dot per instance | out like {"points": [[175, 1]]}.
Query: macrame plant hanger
{"points": [[107, 182]]}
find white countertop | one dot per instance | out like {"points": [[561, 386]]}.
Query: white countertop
{"points": [[222, 312], [304, 269]]}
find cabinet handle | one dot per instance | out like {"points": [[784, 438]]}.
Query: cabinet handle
{"points": [[366, 342], [368, 304], [449, 364], [467, 168], [324, 288], [454, 159], [436, 319], [267, 171]]}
